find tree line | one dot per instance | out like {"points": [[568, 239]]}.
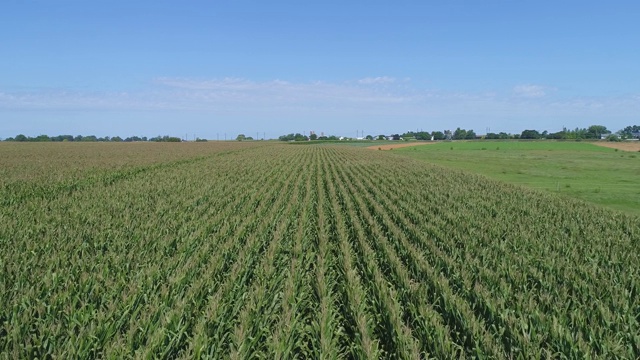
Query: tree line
{"points": [[593, 132], [93, 138]]}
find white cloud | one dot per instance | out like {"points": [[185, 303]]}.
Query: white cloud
{"points": [[213, 84], [377, 80], [530, 91], [68, 99], [280, 91]]}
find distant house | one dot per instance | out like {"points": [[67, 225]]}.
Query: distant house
{"points": [[635, 135]]}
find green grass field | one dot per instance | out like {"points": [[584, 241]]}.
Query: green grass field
{"points": [[582, 170]]}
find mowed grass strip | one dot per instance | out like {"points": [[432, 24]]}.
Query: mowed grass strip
{"points": [[581, 170]]}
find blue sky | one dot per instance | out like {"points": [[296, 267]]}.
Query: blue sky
{"points": [[227, 67]]}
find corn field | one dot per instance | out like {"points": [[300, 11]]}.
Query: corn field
{"points": [[234, 250]]}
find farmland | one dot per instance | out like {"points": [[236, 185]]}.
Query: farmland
{"points": [[237, 250]]}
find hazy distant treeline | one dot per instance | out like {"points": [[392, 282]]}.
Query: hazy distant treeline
{"points": [[93, 138]]}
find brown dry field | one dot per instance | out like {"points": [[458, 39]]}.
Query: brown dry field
{"points": [[626, 146], [396, 146]]}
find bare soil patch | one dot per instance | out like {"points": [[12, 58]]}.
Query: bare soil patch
{"points": [[397, 146], [626, 146]]}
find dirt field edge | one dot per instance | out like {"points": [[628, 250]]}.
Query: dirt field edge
{"points": [[625, 145]]}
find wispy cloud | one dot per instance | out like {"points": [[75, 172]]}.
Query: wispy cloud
{"points": [[70, 99], [228, 94], [377, 80], [531, 91], [280, 91], [217, 84]]}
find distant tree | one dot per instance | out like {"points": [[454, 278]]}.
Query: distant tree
{"points": [[293, 137], [21, 138], [576, 134], [470, 135], [437, 135], [41, 138], [333, 138], [133, 138], [77, 138], [381, 137], [629, 131], [459, 134], [369, 137], [418, 135], [89, 138], [201, 140], [313, 137], [116, 139], [491, 136], [567, 134], [613, 137], [557, 135], [530, 134], [62, 138], [395, 137], [596, 131], [241, 137]]}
